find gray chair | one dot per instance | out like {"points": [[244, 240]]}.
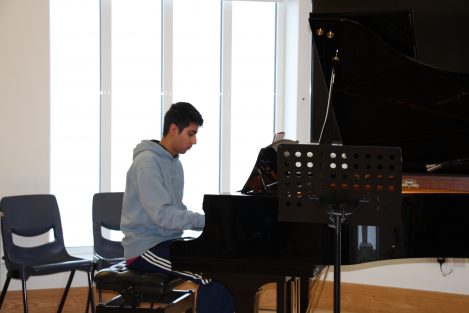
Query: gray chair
{"points": [[107, 208], [30, 216]]}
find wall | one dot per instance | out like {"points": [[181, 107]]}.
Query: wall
{"points": [[24, 96]]}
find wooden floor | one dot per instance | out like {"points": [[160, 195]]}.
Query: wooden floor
{"points": [[46, 301], [355, 299]]}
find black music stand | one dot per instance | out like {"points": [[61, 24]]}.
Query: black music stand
{"points": [[333, 184]]}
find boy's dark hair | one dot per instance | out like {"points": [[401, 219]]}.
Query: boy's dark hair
{"points": [[182, 114]]}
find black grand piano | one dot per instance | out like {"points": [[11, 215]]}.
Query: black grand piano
{"points": [[382, 96]]}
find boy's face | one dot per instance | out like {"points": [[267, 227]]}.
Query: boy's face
{"points": [[183, 140]]}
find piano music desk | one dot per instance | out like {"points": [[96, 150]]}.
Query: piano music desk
{"points": [[420, 183]]}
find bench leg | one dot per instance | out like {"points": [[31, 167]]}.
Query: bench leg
{"points": [[173, 302]]}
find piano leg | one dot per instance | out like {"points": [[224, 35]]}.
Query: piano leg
{"points": [[292, 295], [304, 293], [283, 295]]}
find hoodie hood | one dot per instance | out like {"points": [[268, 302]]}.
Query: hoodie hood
{"points": [[153, 146]]}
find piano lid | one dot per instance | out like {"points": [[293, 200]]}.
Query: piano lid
{"points": [[383, 96]]}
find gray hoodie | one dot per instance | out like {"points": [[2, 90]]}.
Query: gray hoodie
{"points": [[152, 210]]}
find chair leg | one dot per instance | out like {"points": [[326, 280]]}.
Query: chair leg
{"points": [[100, 297], [90, 292], [64, 295], [4, 290], [88, 302], [25, 298]]}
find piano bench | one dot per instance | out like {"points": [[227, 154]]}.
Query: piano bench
{"points": [[137, 288]]}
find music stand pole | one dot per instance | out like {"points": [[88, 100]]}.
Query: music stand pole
{"points": [[338, 218]]}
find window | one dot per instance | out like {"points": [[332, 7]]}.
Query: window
{"points": [[114, 76], [252, 85], [133, 82], [75, 113]]}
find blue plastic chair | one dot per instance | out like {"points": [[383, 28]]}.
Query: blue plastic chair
{"points": [[107, 209], [30, 216]]}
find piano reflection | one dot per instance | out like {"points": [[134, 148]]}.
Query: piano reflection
{"points": [[382, 96]]}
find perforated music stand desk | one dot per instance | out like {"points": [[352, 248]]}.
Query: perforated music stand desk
{"points": [[331, 184]]}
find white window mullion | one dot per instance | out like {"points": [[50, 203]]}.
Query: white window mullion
{"points": [[167, 55], [280, 69], [106, 96], [225, 112]]}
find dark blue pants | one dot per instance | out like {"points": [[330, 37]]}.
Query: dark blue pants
{"points": [[212, 296]]}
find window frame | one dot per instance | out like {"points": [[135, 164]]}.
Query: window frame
{"points": [[292, 82]]}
